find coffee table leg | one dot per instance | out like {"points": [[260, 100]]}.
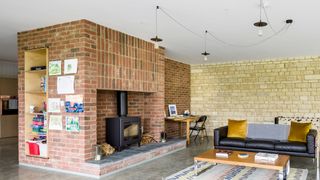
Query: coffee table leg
{"points": [[288, 168], [284, 173], [196, 167], [281, 175]]}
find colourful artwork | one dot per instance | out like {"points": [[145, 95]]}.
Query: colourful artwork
{"points": [[72, 123], [74, 103], [54, 68]]}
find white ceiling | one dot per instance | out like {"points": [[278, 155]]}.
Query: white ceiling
{"points": [[230, 20]]}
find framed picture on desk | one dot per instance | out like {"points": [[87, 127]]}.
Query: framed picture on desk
{"points": [[172, 110]]}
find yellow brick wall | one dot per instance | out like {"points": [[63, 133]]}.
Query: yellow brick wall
{"points": [[256, 90]]}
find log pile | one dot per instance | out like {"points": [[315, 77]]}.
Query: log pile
{"points": [[147, 138], [107, 149]]}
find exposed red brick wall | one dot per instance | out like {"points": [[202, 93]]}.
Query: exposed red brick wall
{"points": [[177, 85], [107, 59], [64, 41], [177, 91], [125, 62], [106, 107]]}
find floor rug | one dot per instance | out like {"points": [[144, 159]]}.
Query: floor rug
{"points": [[207, 171]]}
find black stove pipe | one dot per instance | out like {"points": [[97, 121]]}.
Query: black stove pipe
{"points": [[122, 103]]}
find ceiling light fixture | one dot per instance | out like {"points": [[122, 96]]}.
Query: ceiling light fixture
{"points": [[260, 23], [205, 53], [156, 39]]}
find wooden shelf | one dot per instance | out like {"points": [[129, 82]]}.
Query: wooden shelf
{"points": [[35, 133], [33, 114], [37, 71], [36, 92], [34, 95], [37, 156]]}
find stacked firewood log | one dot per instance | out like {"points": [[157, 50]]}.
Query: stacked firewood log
{"points": [[107, 149], [146, 139]]}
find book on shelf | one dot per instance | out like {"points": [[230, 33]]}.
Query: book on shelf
{"points": [[266, 157], [43, 83]]}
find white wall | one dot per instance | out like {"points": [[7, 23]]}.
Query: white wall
{"points": [[8, 69]]}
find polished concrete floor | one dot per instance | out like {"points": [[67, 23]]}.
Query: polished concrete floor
{"points": [[153, 170]]}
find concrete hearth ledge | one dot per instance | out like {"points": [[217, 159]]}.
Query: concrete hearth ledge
{"points": [[59, 170], [126, 158]]}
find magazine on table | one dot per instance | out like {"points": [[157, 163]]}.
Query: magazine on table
{"points": [[266, 157], [223, 153]]}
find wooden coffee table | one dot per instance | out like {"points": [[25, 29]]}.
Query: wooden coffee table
{"points": [[282, 164]]}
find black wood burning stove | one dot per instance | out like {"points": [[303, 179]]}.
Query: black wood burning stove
{"points": [[123, 131]]}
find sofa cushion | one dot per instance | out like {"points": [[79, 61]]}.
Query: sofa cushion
{"points": [[237, 129], [235, 142], [291, 146], [299, 131], [260, 144]]}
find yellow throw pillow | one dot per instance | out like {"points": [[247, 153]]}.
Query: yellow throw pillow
{"points": [[299, 131], [237, 128]]}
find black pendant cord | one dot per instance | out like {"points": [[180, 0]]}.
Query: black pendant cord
{"points": [[156, 39], [205, 41], [260, 9], [283, 29], [205, 53], [179, 23], [157, 21], [267, 18]]}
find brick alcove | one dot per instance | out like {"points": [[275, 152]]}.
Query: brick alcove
{"points": [[138, 105]]}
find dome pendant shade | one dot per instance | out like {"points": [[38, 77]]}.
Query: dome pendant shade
{"points": [[260, 24], [156, 39], [205, 53]]}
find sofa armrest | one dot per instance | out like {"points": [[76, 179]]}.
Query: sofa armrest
{"points": [[311, 141], [220, 133]]}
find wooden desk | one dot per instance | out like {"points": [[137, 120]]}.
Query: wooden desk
{"points": [[187, 120]]}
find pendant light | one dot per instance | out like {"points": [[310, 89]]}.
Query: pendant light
{"points": [[260, 23], [205, 53], [156, 39]]}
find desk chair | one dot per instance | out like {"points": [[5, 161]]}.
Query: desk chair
{"points": [[199, 126]]}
